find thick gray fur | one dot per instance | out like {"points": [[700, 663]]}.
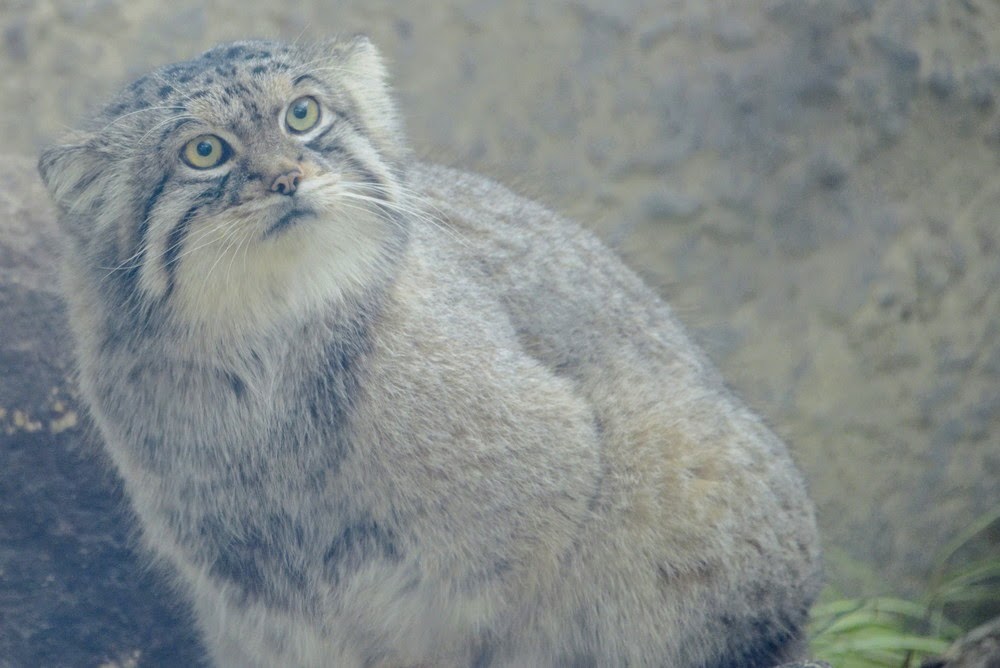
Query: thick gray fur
{"points": [[425, 423]]}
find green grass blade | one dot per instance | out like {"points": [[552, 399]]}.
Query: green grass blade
{"points": [[981, 523]]}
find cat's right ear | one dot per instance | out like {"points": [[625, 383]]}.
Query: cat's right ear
{"points": [[73, 173]]}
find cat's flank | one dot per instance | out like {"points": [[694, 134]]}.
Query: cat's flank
{"points": [[372, 412]]}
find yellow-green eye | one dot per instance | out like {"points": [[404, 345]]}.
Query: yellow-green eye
{"points": [[302, 115], [205, 152]]}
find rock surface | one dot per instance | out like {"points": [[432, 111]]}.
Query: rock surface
{"points": [[980, 648], [812, 183], [72, 591]]}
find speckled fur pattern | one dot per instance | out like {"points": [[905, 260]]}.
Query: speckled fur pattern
{"points": [[430, 423]]}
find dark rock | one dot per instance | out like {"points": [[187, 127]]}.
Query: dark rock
{"points": [[72, 590], [979, 649]]}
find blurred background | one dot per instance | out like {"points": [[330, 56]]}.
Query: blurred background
{"points": [[812, 184]]}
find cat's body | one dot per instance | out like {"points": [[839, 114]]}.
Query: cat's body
{"points": [[425, 422]]}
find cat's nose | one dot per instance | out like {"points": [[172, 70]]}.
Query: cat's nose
{"points": [[286, 184]]}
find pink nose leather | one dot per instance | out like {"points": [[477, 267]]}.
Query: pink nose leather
{"points": [[286, 183]]}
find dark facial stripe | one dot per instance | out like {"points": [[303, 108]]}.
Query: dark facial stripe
{"points": [[147, 211], [351, 115], [131, 272], [173, 127], [175, 238], [313, 143], [368, 176], [351, 118], [335, 147], [174, 241]]}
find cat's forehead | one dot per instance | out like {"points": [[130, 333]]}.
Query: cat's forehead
{"points": [[236, 60], [219, 81]]}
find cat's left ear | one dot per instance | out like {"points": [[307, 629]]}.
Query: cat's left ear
{"points": [[367, 81], [74, 173]]}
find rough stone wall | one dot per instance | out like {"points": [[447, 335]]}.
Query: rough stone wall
{"points": [[812, 183]]}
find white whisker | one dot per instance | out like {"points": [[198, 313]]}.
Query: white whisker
{"points": [[163, 122], [412, 212], [230, 240], [140, 111]]}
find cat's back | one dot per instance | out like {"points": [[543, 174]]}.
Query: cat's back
{"points": [[574, 303], [691, 476]]}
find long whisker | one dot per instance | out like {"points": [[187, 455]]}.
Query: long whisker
{"points": [[409, 194], [184, 96], [132, 262], [411, 211], [246, 249], [244, 243], [232, 240], [337, 69], [161, 124], [310, 66], [214, 235], [223, 232], [140, 111]]}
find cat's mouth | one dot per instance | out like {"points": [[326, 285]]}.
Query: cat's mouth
{"points": [[288, 219]]}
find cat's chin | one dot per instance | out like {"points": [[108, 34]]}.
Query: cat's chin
{"points": [[289, 219], [299, 266]]}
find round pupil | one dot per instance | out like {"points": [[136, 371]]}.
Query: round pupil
{"points": [[300, 110], [204, 149]]}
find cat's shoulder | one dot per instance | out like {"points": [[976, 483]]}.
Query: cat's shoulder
{"points": [[481, 213], [471, 191]]}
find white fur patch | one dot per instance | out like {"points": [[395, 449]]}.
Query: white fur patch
{"points": [[233, 275]]}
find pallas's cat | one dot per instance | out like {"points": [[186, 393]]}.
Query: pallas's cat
{"points": [[373, 412]]}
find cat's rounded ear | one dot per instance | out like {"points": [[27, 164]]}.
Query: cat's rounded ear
{"points": [[73, 172], [367, 81], [364, 57]]}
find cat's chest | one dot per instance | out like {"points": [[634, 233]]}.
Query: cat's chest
{"points": [[229, 462], [235, 434]]}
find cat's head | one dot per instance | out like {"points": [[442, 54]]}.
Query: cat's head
{"points": [[238, 183]]}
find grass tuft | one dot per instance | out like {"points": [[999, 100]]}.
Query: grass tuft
{"points": [[886, 632]]}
